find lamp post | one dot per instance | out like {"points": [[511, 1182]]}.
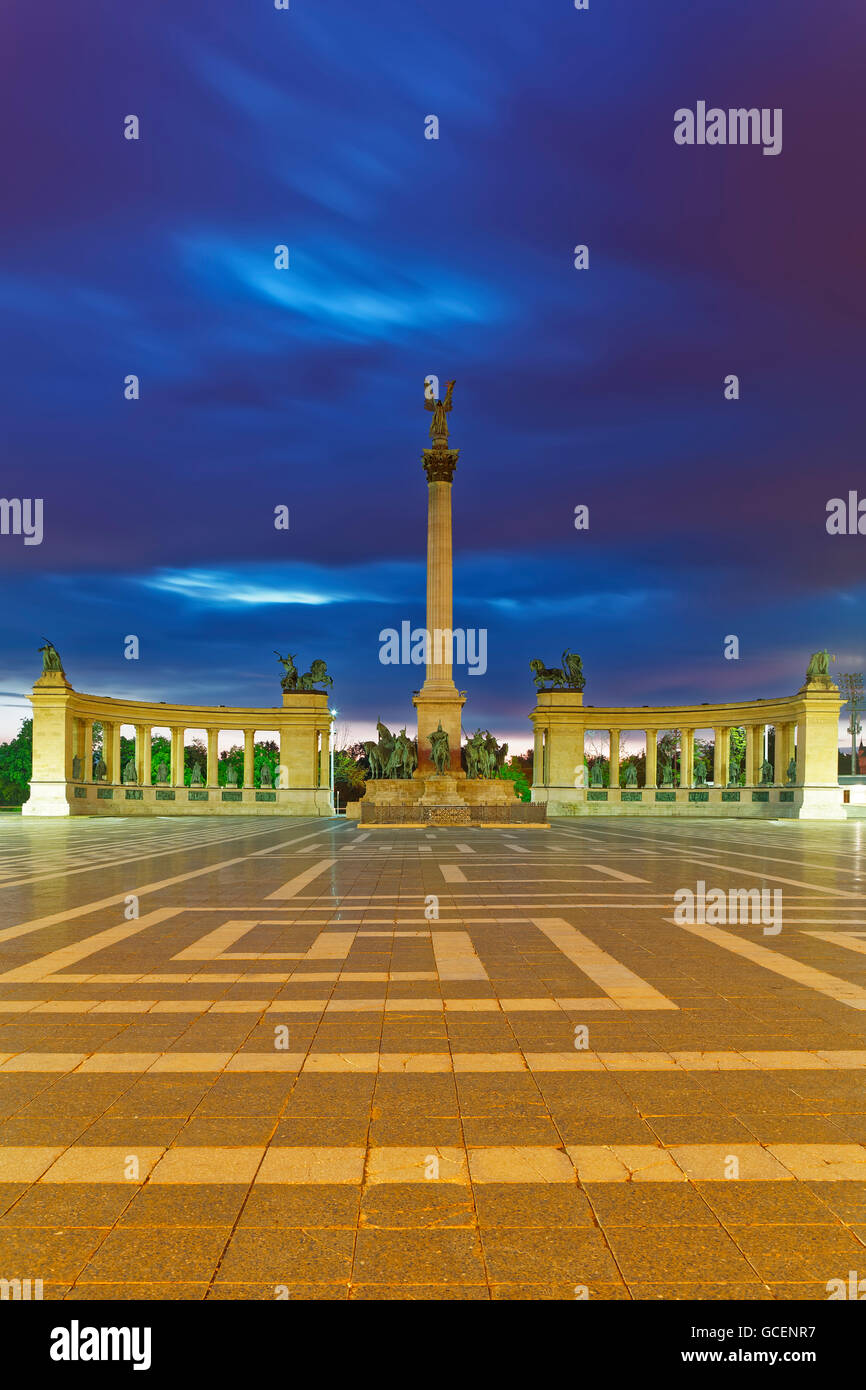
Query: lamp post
{"points": [[852, 689], [333, 714]]}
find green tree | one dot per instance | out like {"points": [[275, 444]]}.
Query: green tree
{"points": [[514, 771], [16, 766]]}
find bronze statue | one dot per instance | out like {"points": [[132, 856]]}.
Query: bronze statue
{"points": [[50, 658], [440, 750], [766, 774], [403, 758], [596, 774], [130, 773], [317, 675], [231, 775], [195, 778], [290, 677], [819, 666], [76, 768], [547, 677], [162, 773], [379, 754], [265, 778], [791, 776], [700, 773], [630, 779], [100, 771], [439, 424], [573, 669], [667, 775]]}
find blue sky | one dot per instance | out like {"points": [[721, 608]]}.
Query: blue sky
{"points": [[407, 257]]}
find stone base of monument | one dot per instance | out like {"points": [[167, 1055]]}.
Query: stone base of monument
{"points": [[446, 799]]}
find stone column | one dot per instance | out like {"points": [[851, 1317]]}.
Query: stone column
{"points": [[781, 756], [754, 749], [325, 759], [142, 754], [438, 700], [87, 751], [177, 741], [538, 757], [249, 758], [287, 771], [687, 757], [613, 734], [213, 754], [652, 757], [111, 750], [722, 756]]}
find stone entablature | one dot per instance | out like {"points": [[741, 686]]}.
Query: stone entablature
{"points": [[806, 725], [63, 720]]}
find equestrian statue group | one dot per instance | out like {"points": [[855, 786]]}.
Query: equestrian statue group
{"points": [[569, 676], [292, 680]]}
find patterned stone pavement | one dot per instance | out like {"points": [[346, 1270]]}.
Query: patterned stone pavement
{"points": [[253, 1060]]}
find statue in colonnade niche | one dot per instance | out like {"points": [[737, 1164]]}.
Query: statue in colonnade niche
{"points": [[130, 772], [766, 774], [700, 773], [231, 775], [195, 778], [100, 771], [440, 749], [667, 775], [596, 775], [630, 775], [76, 768], [162, 774], [791, 776], [734, 774], [265, 778]]}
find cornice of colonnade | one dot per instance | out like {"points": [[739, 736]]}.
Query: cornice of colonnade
{"points": [[555, 706], [298, 706]]}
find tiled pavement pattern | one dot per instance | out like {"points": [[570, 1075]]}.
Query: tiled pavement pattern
{"points": [[275, 1071]]}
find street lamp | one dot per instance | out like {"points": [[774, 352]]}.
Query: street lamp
{"points": [[333, 714], [852, 688]]}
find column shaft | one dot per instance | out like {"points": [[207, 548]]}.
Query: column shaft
{"points": [[687, 757], [754, 749], [87, 751], [722, 756], [213, 755], [439, 584], [652, 749], [177, 741], [614, 757], [249, 757]]}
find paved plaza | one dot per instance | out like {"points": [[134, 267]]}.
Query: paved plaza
{"points": [[249, 1059]]}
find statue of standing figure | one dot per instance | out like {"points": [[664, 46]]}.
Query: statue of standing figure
{"points": [[630, 778], [231, 775], [162, 774], [130, 773], [50, 658], [791, 776], [439, 424], [700, 773], [440, 750], [766, 774]]}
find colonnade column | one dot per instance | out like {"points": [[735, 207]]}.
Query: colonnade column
{"points": [[249, 758], [325, 763], [143, 739], [754, 751], [652, 757], [538, 757], [177, 740], [213, 753], [111, 750], [613, 735], [782, 756], [687, 757], [87, 751], [722, 756]]}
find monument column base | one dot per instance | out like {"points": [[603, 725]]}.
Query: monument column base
{"points": [[433, 707], [47, 799]]}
